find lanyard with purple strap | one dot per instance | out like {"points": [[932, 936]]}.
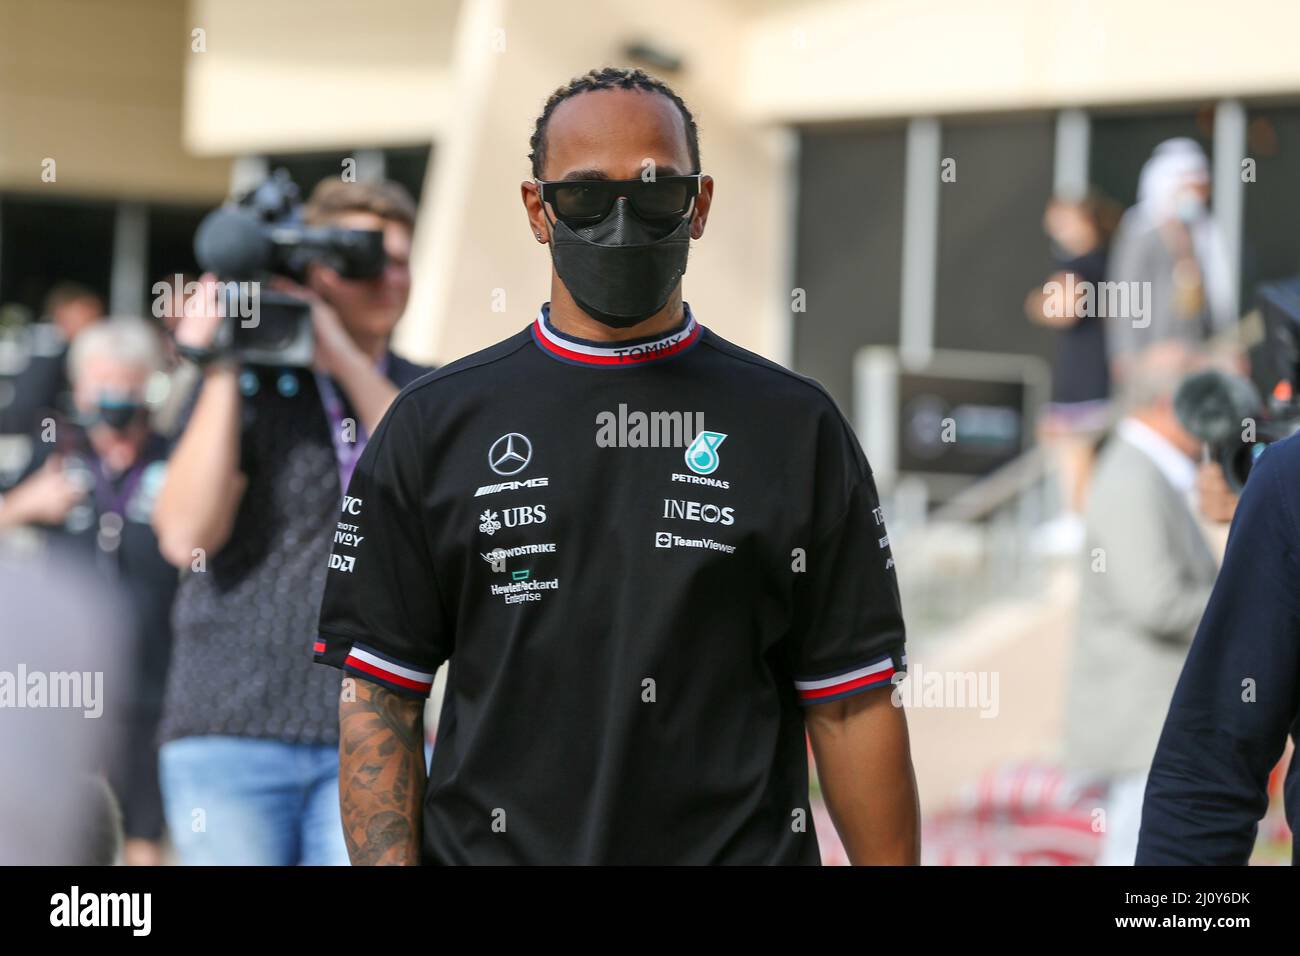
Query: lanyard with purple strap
{"points": [[347, 453], [112, 503]]}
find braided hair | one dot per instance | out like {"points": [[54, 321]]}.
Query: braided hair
{"points": [[609, 78]]}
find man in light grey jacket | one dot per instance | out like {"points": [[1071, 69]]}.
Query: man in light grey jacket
{"points": [[1148, 576]]}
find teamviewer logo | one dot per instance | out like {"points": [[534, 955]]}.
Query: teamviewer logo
{"points": [[663, 539]]}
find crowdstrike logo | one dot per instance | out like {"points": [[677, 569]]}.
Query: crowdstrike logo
{"points": [[500, 554], [497, 556], [510, 454]]}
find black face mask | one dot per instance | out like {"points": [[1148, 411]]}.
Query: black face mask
{"points": [[622, 269]]}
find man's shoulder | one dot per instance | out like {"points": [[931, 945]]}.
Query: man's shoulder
{"points": [[794, 405], [751, 368], [1124, 470]]}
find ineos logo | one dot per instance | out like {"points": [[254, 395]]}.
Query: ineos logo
{"points": [[694, 511], [510, 454]]}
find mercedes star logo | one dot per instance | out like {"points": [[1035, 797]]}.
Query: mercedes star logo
{"points": [[510, 454]]}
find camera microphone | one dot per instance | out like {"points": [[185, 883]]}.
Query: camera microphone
{"points": [[231, 242], [1212, 404]]}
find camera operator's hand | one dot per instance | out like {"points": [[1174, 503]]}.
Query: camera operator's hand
{"points": [[1216, 500], [198, 326], [44, 498], [335, 350]]}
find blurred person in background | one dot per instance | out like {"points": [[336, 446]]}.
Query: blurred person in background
{"points": [[1169, 240], [1079, 410], [1147, 578], [250, 753], [171, 293], [92, 491], [41, 388]]}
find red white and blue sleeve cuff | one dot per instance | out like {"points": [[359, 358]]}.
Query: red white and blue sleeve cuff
{"points": [[407, 679], [853, 680]]}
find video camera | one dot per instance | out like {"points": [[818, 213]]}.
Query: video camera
{"points": [[263, 235], [1227, 413]]}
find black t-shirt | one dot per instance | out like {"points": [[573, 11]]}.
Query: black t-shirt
{"points": [[631, 629], [239, 666]]}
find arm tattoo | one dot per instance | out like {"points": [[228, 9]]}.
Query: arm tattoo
{"points": [[381, 775]]}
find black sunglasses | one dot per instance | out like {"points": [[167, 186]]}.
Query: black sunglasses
{"points": [[590, 200]]}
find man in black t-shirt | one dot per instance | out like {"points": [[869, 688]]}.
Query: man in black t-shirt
{"points": [[652, 558]]}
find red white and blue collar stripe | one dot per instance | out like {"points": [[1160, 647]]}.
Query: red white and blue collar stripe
{"points": [[567, 348], [879, 673]]}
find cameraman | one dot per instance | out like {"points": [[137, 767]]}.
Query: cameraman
{"points": [[249, 761]]}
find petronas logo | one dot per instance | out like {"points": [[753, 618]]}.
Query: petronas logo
{"points": [[702, 455]]}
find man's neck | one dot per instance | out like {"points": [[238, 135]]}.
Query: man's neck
{"points": [[1164, 430], [567, 317]]}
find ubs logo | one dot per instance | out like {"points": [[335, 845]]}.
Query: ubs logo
{"points": [[511, 518], [525, 514], [510, 454]]}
